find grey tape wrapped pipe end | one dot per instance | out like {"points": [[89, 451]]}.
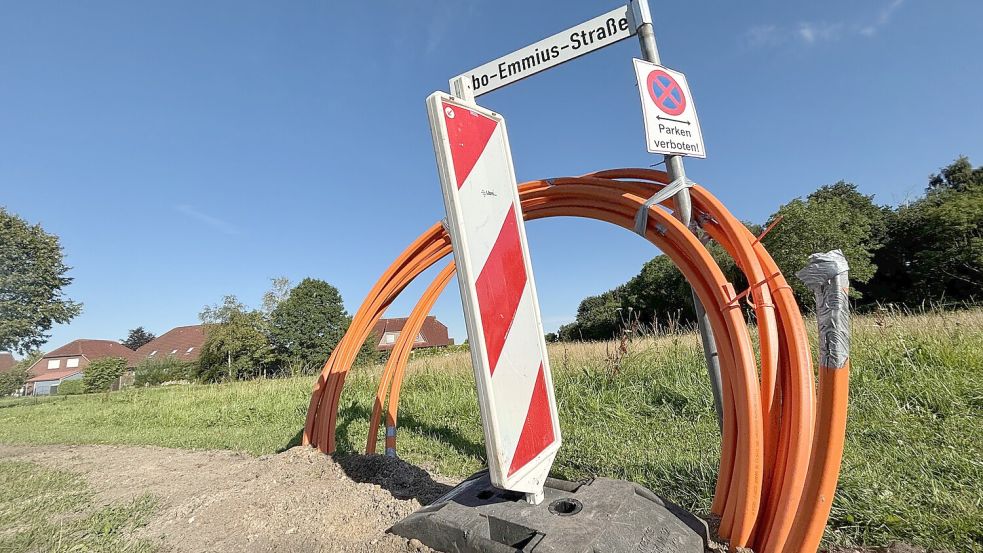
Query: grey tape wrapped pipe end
{"points": [[827, 275]]}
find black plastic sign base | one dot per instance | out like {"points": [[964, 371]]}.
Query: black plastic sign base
{"points": [[596, 516]]}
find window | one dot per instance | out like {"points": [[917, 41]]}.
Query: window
{"points": [[173, 351], [189, 349], [72, 363], [54, 363], [153, 353], [420, 339], [389, 338]]}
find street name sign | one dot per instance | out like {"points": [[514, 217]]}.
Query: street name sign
{"points": [[505, 328], [603, 30], [671, 124]]}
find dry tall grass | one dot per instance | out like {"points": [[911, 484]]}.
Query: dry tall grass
{"points": [[869, 330]]}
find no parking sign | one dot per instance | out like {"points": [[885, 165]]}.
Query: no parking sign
{"points": [[671, 125]]}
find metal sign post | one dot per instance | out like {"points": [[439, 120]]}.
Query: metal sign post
{"points": [[642, 16]]}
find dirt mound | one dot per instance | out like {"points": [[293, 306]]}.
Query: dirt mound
{"points": [[298, 501], [219, 501]]}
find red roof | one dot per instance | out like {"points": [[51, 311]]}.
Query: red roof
{"points": [[7, 361], [53, 375], [93, 349], [89, 349], [433, 333], [183, 342]]}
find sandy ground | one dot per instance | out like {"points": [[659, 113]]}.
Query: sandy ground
{"points": [[298, 501], [219, 501]]}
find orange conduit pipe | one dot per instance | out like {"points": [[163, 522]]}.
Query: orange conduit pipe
{"points": [[824, 469], [392, 374], [319, 428], [827, 275], [768, 422]]}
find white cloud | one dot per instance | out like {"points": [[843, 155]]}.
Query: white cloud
{"points": [[815, 32], [218, 224], [810, 33], [883, 18], [763, 35]]}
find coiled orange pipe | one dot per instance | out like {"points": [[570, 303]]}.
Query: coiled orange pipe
{"points": [[766, 462], [392, 374]]}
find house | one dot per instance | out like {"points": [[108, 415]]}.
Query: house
{"points": [[69, 361], [182, 343], [432, 334], [7, 361]]}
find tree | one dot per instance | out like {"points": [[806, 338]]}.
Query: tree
{"points": [[658, 295], [597, 317], [958, 175], [221, 313], [950, 263], [279, 291], [17, 376], [153, 371], [71, 388], [32, 276], [833, 217], [930, 249], [306, 326], [138, 337], [237, 344], [934, 249], [12, 380], [860, 205], [100, 374]]}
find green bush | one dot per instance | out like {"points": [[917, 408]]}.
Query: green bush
{"points": [[156, 371], [70, 388], [101, 373], [12, 380]]}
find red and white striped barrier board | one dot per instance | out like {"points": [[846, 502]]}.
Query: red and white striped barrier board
{"points": [[505, 329]]}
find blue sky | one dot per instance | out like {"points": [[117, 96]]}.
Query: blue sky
{"points": [[187, 150]]}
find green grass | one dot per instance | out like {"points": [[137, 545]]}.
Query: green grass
{"points": [[912, 471], [51, 511]]}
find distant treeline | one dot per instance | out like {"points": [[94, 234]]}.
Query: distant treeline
{"points": [[929, 250], [293, 333]]}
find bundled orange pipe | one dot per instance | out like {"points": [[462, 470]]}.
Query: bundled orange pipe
{"points": [[767, 474], [392, 374], [826, 274]]}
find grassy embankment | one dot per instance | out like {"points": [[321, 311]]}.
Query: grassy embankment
{"points": [[42, 509], [912, 472]]}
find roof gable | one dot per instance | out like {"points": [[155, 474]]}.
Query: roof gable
{"points": [[383, 326], [432, 332], [90, 349], [53, 375], [93, 349], [175, 342], [7, 361]]}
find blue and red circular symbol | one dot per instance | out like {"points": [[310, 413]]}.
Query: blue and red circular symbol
{"points": [[666, 92]]}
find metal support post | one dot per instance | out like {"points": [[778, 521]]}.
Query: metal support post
{"points": [[461, 89], [683, 206]]}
